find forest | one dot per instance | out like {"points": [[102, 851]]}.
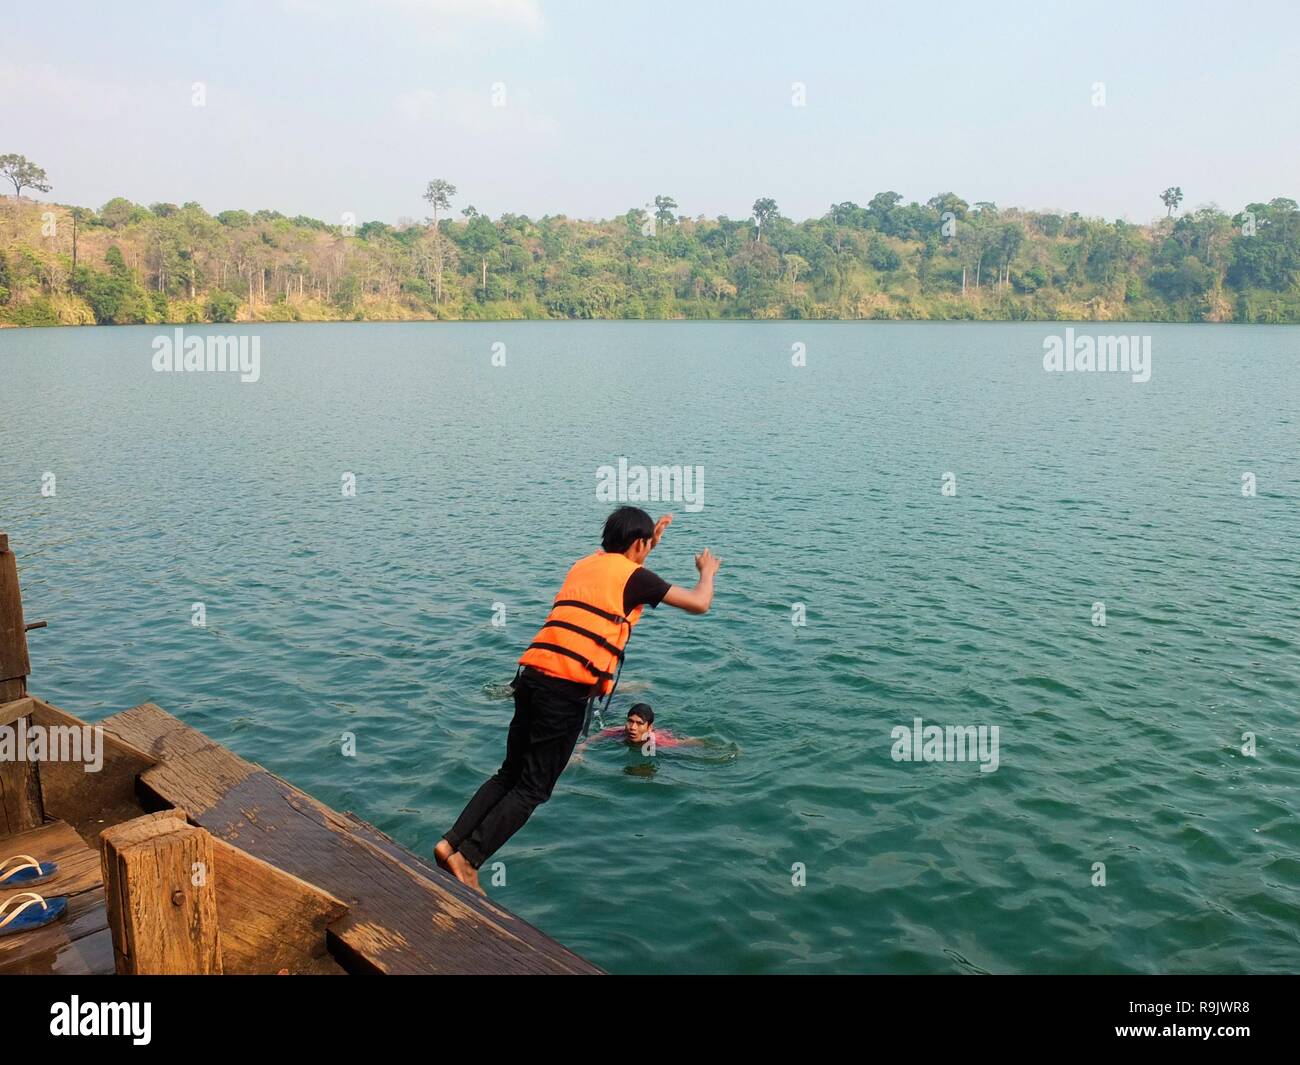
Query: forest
{"points": [[126, 263]]}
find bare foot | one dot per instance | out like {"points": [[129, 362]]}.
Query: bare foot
{"points": [[441, 853], [464, 872]]}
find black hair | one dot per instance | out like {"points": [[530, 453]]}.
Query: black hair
{"points": [[625, 527], [643, 711]]}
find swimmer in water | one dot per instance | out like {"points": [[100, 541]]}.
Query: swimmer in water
{"points": [[639, 729]]}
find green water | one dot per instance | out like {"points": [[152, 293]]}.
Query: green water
{"points": [[373, 615]]}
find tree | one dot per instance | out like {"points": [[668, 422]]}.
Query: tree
{"points": [[881, 208], [119, 212], [114, 297], [1009, 242], [1171, 198], [481, 238], [439, 194], [79, 218], [948, 201], [24, 174], [194, 231], [764, 212], [636, 220], [982, 239], [664, 208], [222, 307]]}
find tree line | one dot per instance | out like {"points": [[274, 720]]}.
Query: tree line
{"points": [[888, 259]]}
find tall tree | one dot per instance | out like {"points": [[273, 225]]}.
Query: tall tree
{"points": [[1009, 242], [439, 194], [79, 217], [1171, 198], [764, 212], [664, 208]]}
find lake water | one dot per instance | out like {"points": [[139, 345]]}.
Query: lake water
{"points": [[1119, 744]]}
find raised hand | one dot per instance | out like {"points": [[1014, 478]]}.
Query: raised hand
{"points": [[707, 563]]}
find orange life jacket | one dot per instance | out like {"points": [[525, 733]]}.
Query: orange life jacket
{"points": [[585, 632]]}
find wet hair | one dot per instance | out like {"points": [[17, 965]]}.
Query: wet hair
{"points": [[625, 527], [643, 711]]}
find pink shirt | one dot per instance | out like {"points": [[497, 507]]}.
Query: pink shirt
{"points": [[663, 738]]}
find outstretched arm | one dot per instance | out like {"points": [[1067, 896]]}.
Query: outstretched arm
{"points": [[696, 600]]}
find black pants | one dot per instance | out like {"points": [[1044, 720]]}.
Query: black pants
{"points": [[549, 715]]}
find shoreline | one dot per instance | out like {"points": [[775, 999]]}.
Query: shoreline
{"points": [[660, 321]]}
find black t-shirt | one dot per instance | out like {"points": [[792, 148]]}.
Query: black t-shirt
{"points": [[643, 588]]}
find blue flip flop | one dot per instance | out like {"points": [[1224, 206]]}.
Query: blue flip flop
{"points": [[28, 874], [35, 912]]}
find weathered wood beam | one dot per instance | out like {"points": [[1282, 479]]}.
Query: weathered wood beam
{"points": [[270, 921], [14, 663], [160, 889], [20, 785]]}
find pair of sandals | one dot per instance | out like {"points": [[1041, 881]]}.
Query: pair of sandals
{"points": [[28, 910]]}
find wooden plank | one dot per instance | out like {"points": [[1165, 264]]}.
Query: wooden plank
{"points": [[405, 916], [88, 955], [402, 918], [11, 711], [78, 943], [20, 785], [204, 777], [90, 801], [43, 950], [57, 842], [163, 922], [159, 735], [14, 664], [20, 797], [270, 921]]}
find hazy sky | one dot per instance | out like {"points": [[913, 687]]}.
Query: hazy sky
{"points": [[322, 107]]}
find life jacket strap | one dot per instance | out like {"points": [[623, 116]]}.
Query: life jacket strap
{"points": [[617, 619], [591, 668], [594, 637]]}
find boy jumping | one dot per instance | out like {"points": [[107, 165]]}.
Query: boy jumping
{"points": [[574, 659]]}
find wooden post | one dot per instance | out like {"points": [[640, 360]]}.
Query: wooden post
{"points": [[161, 892], [20, 786], [14, 665], [21, 806]]}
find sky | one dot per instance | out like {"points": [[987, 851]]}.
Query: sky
{"points": [[332, 108]]}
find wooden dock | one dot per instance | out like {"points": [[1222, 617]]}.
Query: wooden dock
{"points": [[179, 856]]}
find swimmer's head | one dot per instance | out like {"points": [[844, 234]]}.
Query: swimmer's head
{"points": [[639, 720]]}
